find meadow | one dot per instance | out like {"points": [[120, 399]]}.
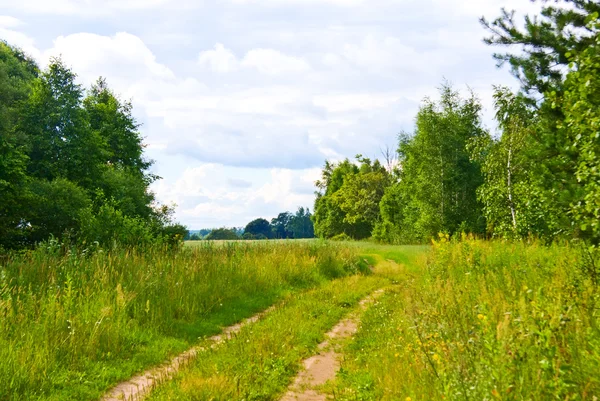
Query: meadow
{"points": [[75, 323], [459, 320], [481, 320]]}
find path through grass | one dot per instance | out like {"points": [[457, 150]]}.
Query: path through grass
{"points": [[73, 325]]}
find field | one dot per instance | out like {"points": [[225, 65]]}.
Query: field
{"points": [[75, 324], [459, 320]]}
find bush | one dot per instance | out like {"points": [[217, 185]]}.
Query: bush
{"points": [[341, 237], [222, 234]]}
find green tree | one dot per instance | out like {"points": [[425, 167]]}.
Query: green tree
{"points": [[301, 225], [438, 180], [259, 227], [62, 144], [222, 234], [348, 198], [514, 199], [17, 73], [280, 225], [580, 104], [545, 42], [328, 217], [56, 208]]}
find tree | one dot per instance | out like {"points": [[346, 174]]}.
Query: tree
{"points": [[259, 227], [222, 234], [545, 43], [17, 73], [438, 180], [62, 144], [71, 165], [56, 209], [361, 193], [565, 32], [301, 225], [580, 104], [513, 196], [348, 198], [280, 225]]}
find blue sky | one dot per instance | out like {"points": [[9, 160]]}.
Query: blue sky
{"points": [[242, 101]]}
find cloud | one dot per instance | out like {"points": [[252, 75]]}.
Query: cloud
{"points": [[269, 61], [265, 61], [219, 60], [78, 7], [123, 57], [204, 202], [9, 22], [17, 38], [239, 183]]}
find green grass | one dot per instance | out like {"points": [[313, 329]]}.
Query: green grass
{"points": [[481, 321], [72, 326], [260, 362]]}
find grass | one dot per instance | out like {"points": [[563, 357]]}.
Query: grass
{"points": [[73, 325], [260, 362], [481, 321]]}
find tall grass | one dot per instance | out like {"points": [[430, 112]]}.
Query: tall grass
{"points": [[482, 321], [72, 325]]}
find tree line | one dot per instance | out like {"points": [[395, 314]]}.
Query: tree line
{"points": [[71, 161], [540, 176], [286, 225]]}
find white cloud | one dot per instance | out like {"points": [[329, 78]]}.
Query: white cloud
{"points": [[80, 7], [204, 201], [266, 61], [9, 22], [269, 61], [124, 55], [219, 60]]}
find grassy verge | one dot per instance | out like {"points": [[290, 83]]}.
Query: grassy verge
{"points": [[481, 321], [72, 326], [261, 361]]}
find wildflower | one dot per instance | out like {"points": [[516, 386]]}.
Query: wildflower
{"points": [[480, 316], [436, 357], [408, 399]]}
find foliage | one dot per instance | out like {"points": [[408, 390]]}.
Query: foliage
{"points": [[436, 190], [259, 227], [17, 73], [67, 156], [348, 201], [222, 234], [300, 224], [280, 225], [581, 107], [513, 197], [545, 43]]}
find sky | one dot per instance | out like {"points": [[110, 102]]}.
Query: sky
{"points": [[242, 101]]}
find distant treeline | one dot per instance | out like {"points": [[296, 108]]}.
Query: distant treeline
{"points": [[540, 177], [285, 225], [71, 162]]}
